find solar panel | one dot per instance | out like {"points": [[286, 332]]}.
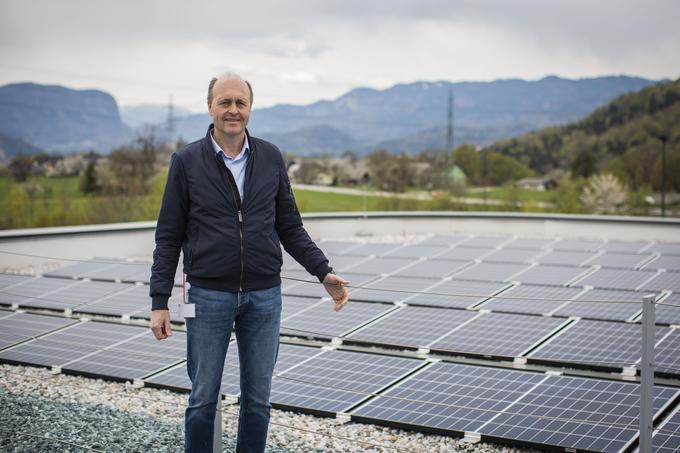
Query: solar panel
{"points": [[70, 343], [417, 251], [667, 359], [575, 244], [666, 314], [133, 357], [407, 285], [616, 279], [378, 266], [432, 268], [664, 281], [528, 243], [625, 247], [449, 397], [486, 241], [133, 299], [31, 288], [666, 438], [600, 343], [370, 249], [665, 249], [9, 280], [114, 272], [465, 253], [341, 263], [413, 326], [557, 411], [550, 275], [513, 335], [337, 247], [440, 239], [513, 255], [522, 299], [321, 321], [77, 270], [565, 258], [312, 287], [290, 306], [74, 294], [605, 311], [18, 327], [668, 262], [493, 272], [577, 414], [177, 377], [478, 291], [620, 260], [344, 378]]}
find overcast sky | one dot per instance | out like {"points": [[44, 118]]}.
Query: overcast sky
{"points": [[302, 51]]}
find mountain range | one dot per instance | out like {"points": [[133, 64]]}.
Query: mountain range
{"points": [[403, 118]]}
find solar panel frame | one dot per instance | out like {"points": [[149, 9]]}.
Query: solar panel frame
{"points": [[291, 305], [400, 328], [667, 314], [514, 335], [69, 343], [380, 266], [321, 322], [577, 244], [667, 262], [34, 288], [345, 379], [624, 279], [442, 239], [663, 281], [577, 413], [373, 249], [496, 272], [665, 248], [601, 345], [547, 306], [470, 294], [621, 260], [446, 398], [507, 255], [132, 358], [437, 269], [337, 247], [460, 253], [566, 257], [417, 251], [76, 270], [490, 242], [625, 246], [666, 437], [543, 274], [17, 328], [603, 311], [529, 243], [76, 294], [408, 285]]}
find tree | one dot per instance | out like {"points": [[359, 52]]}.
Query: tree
{"points": [[20, 167], [467, 158], [604, 194]]}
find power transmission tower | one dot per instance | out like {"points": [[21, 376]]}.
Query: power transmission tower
{"points": [[449, 129], [171, 120]]}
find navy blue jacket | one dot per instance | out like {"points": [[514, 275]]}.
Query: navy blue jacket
{"points": [[228, 245]]}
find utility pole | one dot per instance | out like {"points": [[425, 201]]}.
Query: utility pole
{"points": [[449, 129]]}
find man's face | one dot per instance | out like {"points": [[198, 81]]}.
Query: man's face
{"points": [[230, 107]]}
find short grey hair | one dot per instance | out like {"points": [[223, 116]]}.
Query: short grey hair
{"points": [[228, 75]]}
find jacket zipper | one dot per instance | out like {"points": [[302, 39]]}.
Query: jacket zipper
{"points": [[237, 202]]}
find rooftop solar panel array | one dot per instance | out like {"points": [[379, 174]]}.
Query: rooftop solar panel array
{"points": [[549, 301], [667, 437]]}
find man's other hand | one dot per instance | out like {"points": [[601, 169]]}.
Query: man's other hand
{"points": [[335, 287], [160, 324]]}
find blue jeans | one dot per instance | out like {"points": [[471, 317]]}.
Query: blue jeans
{"points": [[255, 317]]}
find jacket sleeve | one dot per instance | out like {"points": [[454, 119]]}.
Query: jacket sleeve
{"points": [[170, 232], [292, 234]]}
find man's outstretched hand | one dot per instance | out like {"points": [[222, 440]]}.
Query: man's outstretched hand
{"points": [[335, 287], [160, 324]]}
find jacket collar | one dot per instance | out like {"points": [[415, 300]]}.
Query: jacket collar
{"points": [[208, 142]]}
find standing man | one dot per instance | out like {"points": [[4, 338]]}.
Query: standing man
{"points": [[228, 205]]}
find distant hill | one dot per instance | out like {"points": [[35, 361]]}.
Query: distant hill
{"points": [[139, 116], [59, 119], [620, 137], [11, 146], [411, 113]]}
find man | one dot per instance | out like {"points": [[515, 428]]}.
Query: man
{"points": [[228, 205]]}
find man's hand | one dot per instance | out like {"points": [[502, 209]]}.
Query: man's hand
{"points": [[334, 285], [160, 324]]}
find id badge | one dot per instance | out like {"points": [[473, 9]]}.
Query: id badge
{"points": [[185, 309]]}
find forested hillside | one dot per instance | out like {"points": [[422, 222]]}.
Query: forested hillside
{"points": [[622, 138]]}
